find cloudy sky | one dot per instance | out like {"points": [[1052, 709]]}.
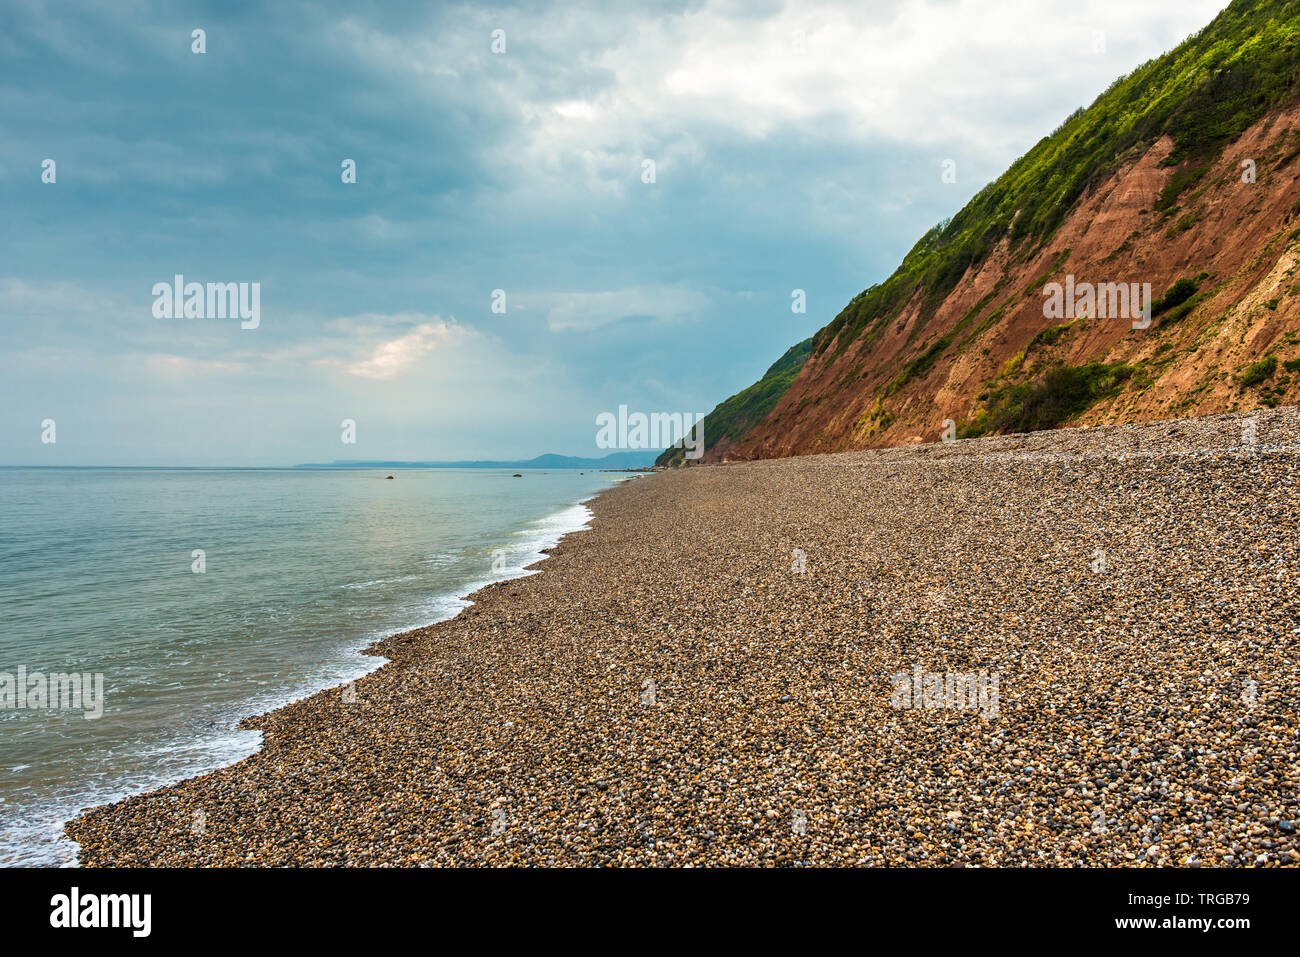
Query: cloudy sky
{"points": [[794, 146]]}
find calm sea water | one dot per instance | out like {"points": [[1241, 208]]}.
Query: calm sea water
{"points": [[303, 569]]}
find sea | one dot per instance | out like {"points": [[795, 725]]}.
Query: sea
{"points": [[199, 597]]}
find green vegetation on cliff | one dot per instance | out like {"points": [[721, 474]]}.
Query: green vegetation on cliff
{"points": [[737, 415], [1202, 95], [1059, 395]]}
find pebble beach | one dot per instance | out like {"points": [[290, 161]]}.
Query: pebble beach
{"points": [[710, 675]]}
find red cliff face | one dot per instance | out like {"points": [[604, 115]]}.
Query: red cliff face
{"points": [[1239, 240]]}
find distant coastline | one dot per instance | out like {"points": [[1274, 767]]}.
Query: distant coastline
{"points": [[637, 459]]}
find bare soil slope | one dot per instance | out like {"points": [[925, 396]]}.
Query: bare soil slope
{"points": [[1238, 240]]}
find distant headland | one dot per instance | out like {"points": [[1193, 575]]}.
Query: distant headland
{"points": [[634, 459]]}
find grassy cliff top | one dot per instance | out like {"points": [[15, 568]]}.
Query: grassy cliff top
{"points": [[1202, 94]]}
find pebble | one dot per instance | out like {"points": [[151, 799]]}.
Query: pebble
{"points": [[1135, 593]]}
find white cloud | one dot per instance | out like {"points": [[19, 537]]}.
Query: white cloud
{"points": [[990, 77], [577, 110], [390, 359]]}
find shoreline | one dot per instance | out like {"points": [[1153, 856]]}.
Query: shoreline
{"points": [[672, 692], [229, 744]]}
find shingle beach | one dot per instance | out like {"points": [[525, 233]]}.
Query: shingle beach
{"points": [[709, 675]]}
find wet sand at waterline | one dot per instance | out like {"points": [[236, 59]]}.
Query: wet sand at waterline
{"points": [[711, 675]]}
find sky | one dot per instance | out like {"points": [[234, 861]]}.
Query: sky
{"points": [[558, 208]]}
